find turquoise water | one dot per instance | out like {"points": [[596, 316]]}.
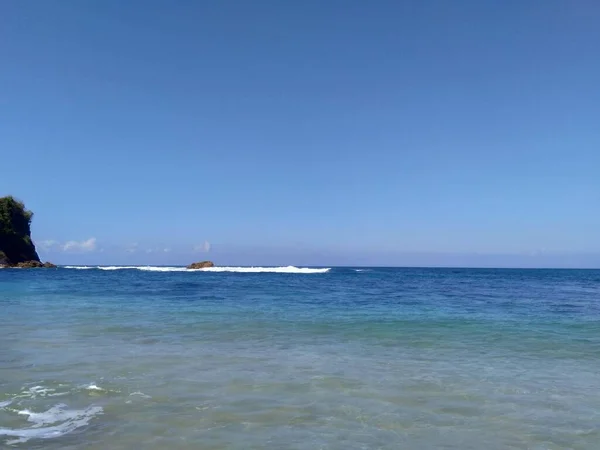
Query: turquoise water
{"points": [[338, 359]]}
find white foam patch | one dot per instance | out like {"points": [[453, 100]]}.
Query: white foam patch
{"points": [[55, 422], [288, 269], [140, 394], [162, 269], [6, 403], [58, 394], [36, 391], [93, 387], [55, 414], [40, 390]]}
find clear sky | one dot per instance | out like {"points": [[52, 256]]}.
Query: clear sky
{"points": [[304, 132]]}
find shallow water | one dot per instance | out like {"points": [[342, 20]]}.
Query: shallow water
{"points": [[338, 359]]}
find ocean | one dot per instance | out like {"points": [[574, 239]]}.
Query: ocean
{"points": [[287, 358]]}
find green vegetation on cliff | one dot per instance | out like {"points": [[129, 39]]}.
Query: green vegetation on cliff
{"points": [[15, 233]]}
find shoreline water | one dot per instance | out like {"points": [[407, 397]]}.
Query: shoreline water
{"points": [[347, 359]]}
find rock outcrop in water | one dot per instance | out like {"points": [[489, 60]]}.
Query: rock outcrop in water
{"points": [[34, 265], [16, 246], [201, 265]]}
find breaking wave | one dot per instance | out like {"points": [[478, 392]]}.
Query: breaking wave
{"points": [[53, 423], [288, 269], [145, 268]]}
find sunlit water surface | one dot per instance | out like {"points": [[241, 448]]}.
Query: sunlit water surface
{"points": [[313, 359]]}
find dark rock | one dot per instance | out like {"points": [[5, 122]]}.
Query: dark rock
{"points": [[33, 265], [29, 264], [15, 233], [4, 261], [201, 265]]}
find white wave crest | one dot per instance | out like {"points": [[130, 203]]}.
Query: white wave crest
{"points": [[36, 391], [145, 268], [288, 269], [60, 419], [141, 394], [162, 269]]}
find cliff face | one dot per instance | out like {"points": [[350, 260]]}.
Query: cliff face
{"points": [[15, 233]]}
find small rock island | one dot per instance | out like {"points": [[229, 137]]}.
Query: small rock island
{"points": [[16, 247], [201, 265]]}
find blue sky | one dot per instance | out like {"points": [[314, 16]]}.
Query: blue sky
{"points": [[314, 132]]}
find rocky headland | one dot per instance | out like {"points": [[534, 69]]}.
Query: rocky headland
{"points": [[16, 247]]}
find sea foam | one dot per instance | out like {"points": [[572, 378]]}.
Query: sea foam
{"points": [[288, 269], [60, 420]]}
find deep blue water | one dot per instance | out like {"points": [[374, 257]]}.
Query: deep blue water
{"points": [[346, 359]]}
